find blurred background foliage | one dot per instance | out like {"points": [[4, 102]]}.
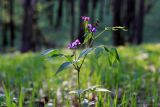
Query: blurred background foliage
{"points": [[32, 25]]}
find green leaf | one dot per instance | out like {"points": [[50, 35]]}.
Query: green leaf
{"points": [[115, 54], [98, 51], [102, 90], [52, 53], [92, 88], [96, 88], [109, 60], [69, 57], [2, 98], [87, 38], [63, 66], [112, 59], [112, 55], [84, 52], [56, 55], [106, 49], [78, 92], [115, 28]]}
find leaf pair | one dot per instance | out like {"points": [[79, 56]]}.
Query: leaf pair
{"points": [[85, 52], [67, 64], [92, 88], [51, 53], [56, 53], [112, 55]]}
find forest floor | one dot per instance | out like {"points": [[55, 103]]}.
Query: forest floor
{"points": [[29, 79]]}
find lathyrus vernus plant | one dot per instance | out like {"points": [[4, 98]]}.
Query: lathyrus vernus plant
{"points": [[77, 60]]}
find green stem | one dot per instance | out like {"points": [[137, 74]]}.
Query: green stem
{"points": [[82, 62], [99, 34], [78, 79], [91, 41], [79, 96], [78, 68], [75, 54]]}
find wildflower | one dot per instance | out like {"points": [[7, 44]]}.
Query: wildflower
{"points": [[84, 18], [74, 44], [91, 28]]}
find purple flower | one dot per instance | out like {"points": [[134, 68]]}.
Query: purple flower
{"points": [[74, 44], [84, 18], [77, 41], [91, 28]]}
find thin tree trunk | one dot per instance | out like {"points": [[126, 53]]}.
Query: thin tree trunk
{"points": [[72, 19], [94, 5], [102, 4], [68, 10], [107, 5], [138, 37], [117, 37], [59, 14], [49, 11], [129, 18], [11, 23], [38, 38], [4, 26], [35, 26], [130, 12], [4, 34], [27, 26]]}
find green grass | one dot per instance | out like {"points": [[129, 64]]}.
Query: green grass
{"points": [[28, 78]]}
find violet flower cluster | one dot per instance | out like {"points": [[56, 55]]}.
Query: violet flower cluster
{"points": [[74, 44], [90, 28], [84, 18]]}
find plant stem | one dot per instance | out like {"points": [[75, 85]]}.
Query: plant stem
{"points": [[78, 79], [82, 63], [91, 41], [79, 96], [78, 68], [99, 34]]}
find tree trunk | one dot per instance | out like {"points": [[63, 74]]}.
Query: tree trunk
{"points": [[11, 23], [129, 18], [4, 34], [138, 36], [117, 37], [94, 5], [59, 14], [68, 10], [107, 5], [50, 12], [27, 27], [102, 4], [35, 37], [72, 19], [5, 26]]}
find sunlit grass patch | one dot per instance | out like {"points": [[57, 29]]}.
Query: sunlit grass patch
{"points": [[133, 82]]}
